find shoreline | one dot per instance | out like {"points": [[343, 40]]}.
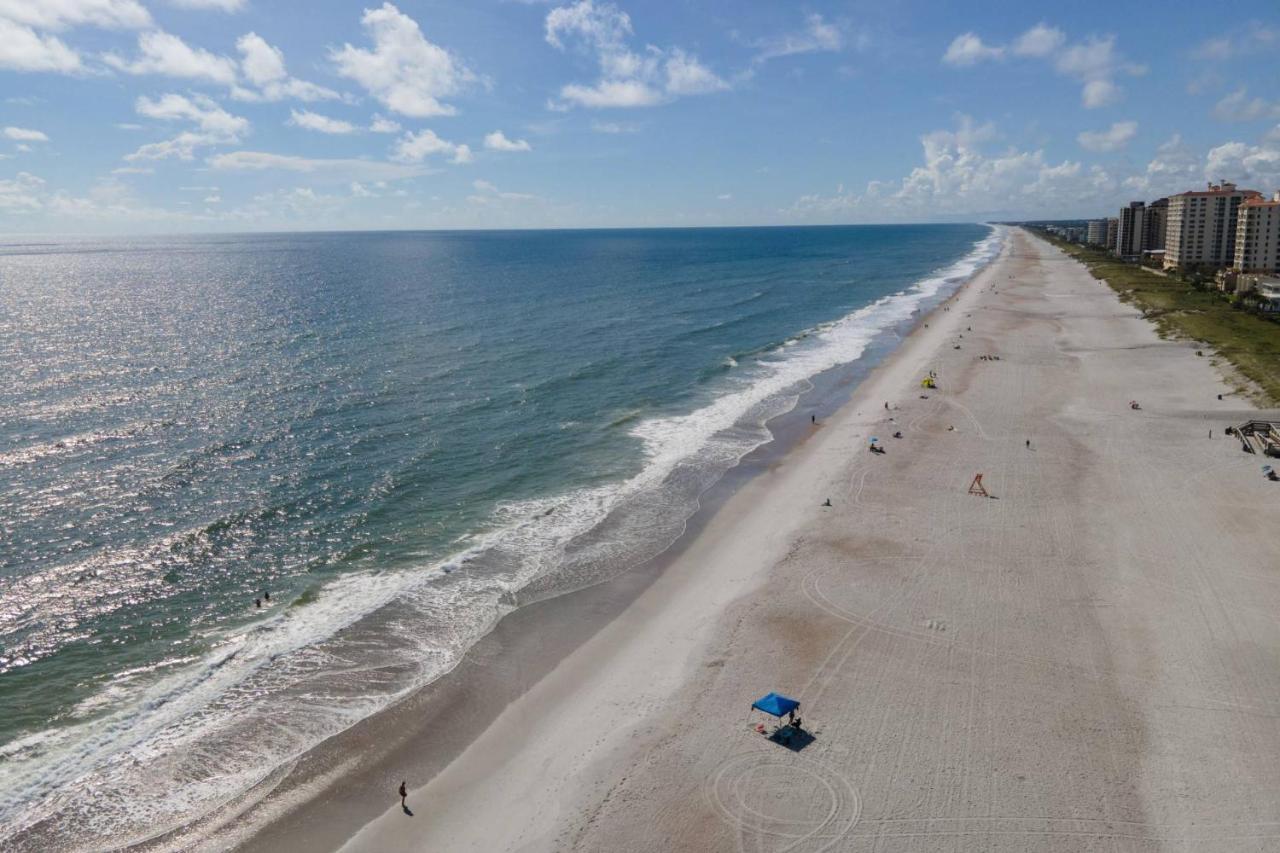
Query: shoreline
{"points": [[786, 431], [977, 674], [522, 651]]}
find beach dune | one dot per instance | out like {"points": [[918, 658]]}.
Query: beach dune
{"points": [[1087, 659]]}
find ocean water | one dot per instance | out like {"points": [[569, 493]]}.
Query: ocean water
{"points": [[400, 436]]}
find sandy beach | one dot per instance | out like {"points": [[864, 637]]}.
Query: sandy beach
{"points": [[1088, 659]]}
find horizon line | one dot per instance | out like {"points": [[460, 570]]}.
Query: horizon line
{"points": [[481, 230]]}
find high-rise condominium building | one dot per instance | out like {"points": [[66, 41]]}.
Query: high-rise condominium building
{"points": [[1112, 227], [1155, 220], [1258, 235], [1096, 233], [1202, 226], [1130, 227]]}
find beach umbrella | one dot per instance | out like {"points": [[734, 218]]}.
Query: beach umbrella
{"points": [[775, 704], [874, 439]]}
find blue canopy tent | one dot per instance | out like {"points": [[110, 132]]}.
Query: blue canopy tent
{"points": [[775, 704]]}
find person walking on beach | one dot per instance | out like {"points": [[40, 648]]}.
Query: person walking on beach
{"points": [[403, 794], [1028, 444]]}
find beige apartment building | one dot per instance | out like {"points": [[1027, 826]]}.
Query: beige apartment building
{"points": [[1202, 226], [1258, 235]]}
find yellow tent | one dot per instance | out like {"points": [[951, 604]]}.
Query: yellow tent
{"points": [[928, 382]]}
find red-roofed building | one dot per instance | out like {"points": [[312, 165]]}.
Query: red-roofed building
{"points": [[1258, 235]]}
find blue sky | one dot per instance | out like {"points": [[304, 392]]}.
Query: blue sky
{"points": [[241, 115]]}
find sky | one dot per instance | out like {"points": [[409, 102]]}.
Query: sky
{"points": [[141, 116]]}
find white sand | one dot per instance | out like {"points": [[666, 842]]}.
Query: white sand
{"points": [[1088, 661]]}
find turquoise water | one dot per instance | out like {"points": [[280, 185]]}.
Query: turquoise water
{"points": [[400, 436]]}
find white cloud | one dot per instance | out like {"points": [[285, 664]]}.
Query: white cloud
{"points": [[1246, 164], [1095, 62], [384, 125], [605, 27], [967, 49], [133, 170], [612, 93], [340, 169], [167, 54], [406, 73], [614, 127], [22, 49], [212, 199], [817, 35], [25, 134], [320, 123], [1112, 139], [1238, 106], [1099, 93], [109, 200], [498, 141], [62, 14], [297, 204], [183, 147], [957, 179], [1253, 38], [262, 63], [215, 5], [1218, 48], [685, 75], [358, 190], [1090, 60], [21, 192], [215, 126], [202, 111], [416, 147], [627, 79], [263, 67], [725, 197], [1174, 168], [487, 193], [1040, 41]]}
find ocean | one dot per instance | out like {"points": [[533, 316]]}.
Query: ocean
{"points": [[399, 437]]}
